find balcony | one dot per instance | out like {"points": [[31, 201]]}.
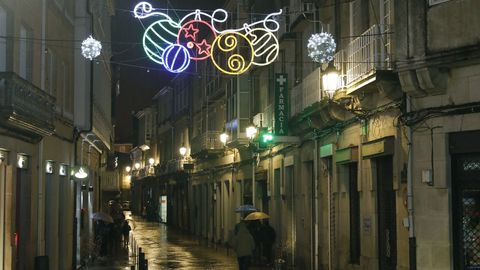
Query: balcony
{"points": [[110, 181], [360, 60], [207, 142], [306, 93], [24, 106]]}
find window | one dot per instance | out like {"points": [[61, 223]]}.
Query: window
{"points": [[51, 78], [354, 214], [3, 40], [298, 59], [231, 100], [26, 53]]}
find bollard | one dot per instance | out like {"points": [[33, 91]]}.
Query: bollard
{"points": [[146, 265], [139, 254]]}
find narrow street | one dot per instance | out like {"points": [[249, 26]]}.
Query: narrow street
{"points": [[166, 248]]}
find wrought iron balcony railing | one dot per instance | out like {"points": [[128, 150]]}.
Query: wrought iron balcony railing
{"points": [[110, 181], [365, 54], [209, 140], [25, 106], [306, 93]]}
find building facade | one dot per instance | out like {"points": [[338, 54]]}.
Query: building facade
{"points": [[39, 124], [361, 178]]}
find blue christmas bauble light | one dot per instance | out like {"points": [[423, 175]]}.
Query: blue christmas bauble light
{"points": [[176, 58]]}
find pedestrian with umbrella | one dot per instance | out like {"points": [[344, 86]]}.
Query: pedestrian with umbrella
{"points": [[244, 245]]}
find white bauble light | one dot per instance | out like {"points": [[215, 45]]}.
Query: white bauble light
{"points": [[91, 48], [321, 47]]}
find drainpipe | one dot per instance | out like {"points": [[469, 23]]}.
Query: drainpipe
{"points": [[412, 245], [315, 196], [76, 136], [41, 183]]}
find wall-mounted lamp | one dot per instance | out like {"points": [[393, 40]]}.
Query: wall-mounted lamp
{"points": [[144, 147], [49, 166], [183, 151], [128, 169], [330, 80], [62, 170], [22, 161], [137, 165], [251, 132], [224, 138], [3, 156], [79, 172]]}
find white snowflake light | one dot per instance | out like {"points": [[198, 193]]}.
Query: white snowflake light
{"points": [[91, 48], [321, 47]]}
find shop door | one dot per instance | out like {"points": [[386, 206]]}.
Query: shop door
{"points": [[466, 204], [387, 233]]}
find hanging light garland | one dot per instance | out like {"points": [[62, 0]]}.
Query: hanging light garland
{"points": [[91, 48], [321, 47]]}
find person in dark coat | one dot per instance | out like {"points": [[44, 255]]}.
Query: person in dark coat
{"points": [[267, 238], [126, 232], [254, 228]]}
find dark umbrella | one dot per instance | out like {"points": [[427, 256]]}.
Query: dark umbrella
{"points": [[245, 208]]}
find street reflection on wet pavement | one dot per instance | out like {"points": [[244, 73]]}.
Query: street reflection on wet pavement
{"points": [[167, 248]]}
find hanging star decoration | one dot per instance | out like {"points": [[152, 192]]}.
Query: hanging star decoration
{"points": [[321, 47], [198, 36], [91, 48]]}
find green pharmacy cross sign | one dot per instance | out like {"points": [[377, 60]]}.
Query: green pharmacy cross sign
{"points": [[281, 104]]}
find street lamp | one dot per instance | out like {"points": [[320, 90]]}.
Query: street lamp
{"points": [[330, 80], [128, 169], [224, 138], [137, 165], [151, 161], [251, 132]]}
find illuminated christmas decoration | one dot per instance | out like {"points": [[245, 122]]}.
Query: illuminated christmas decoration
{"points": [[157, 37], [228, 46], [197, 36], [321, 47], [176, 58], [91, 48]]}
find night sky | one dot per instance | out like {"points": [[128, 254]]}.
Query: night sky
{"points": [[140, 79]]}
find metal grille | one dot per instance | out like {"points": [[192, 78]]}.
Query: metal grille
{"points": [[471, 231], [471, 165]]}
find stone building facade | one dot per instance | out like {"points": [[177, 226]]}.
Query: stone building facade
{"points": [[380, 175], [40, 126]]}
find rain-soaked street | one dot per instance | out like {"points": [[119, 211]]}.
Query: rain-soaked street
{"points": [[166, 248]]}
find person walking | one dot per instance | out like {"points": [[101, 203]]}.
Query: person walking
{"points": [[267, 238], [126, 233], [243, 244]]}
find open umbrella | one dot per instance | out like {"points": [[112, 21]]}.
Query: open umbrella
{"points": [[245, 208], [256, 216], [102, 216]]}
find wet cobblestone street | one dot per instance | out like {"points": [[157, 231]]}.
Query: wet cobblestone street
{"points": [[166, 248]]}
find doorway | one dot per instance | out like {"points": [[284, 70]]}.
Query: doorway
{"points": [[386, 214], [466, 210]]}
